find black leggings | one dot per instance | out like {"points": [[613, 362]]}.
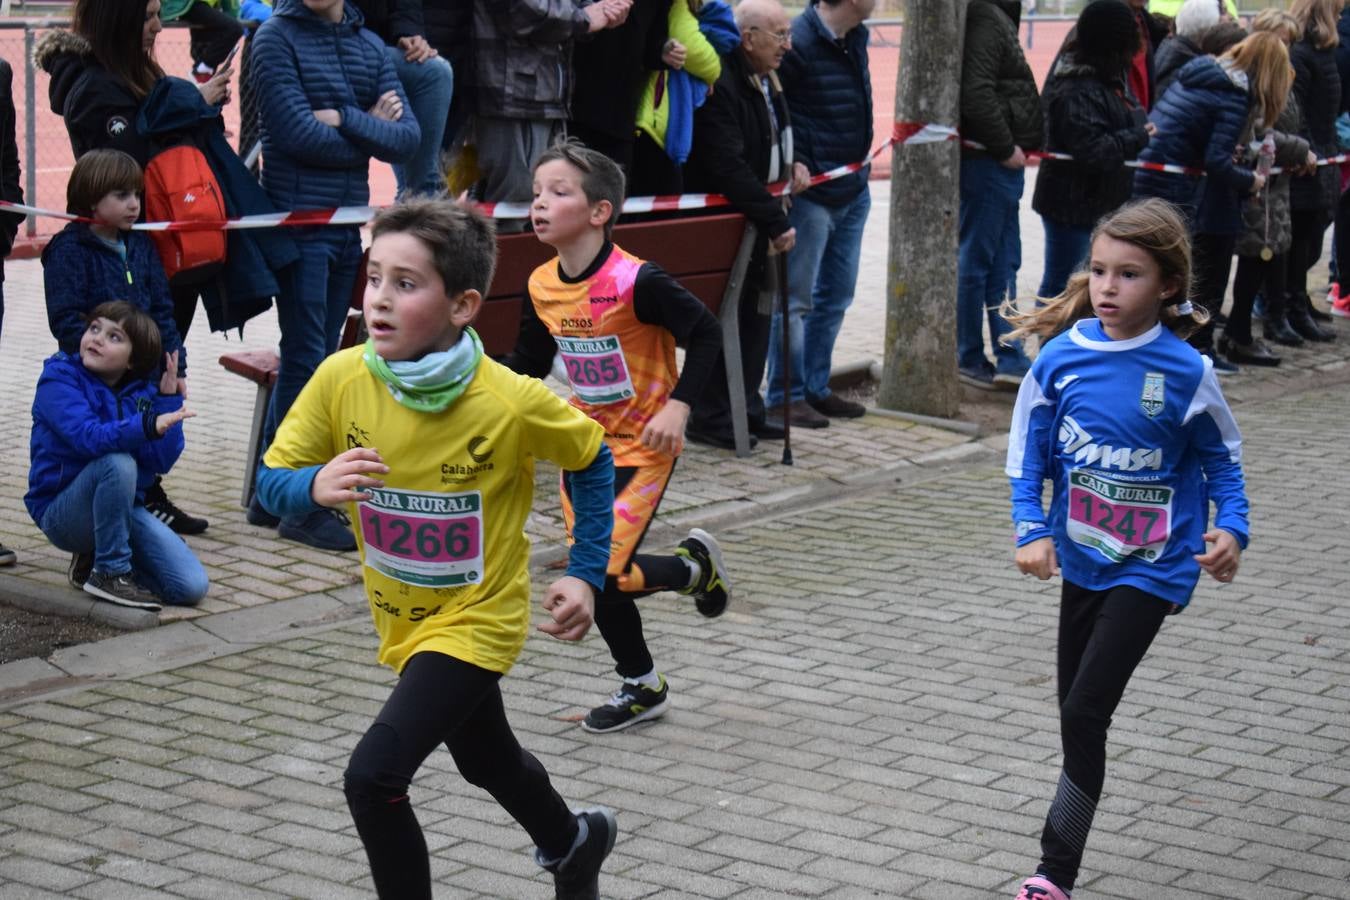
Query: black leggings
{"points": [[440, 699], [1102, 637], [616, 610], [1213, 262], [1256, 274], [213, 33], [1307, 227]]}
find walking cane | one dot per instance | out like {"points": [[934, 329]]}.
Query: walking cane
{"points": [[781, 259]]}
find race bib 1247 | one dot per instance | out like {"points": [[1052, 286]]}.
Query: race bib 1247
{"points": [[1118, 518]]}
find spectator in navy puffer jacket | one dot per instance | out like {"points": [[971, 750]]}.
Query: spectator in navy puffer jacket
{"points": [[1205, 115], [329, 100], [829, 92]]}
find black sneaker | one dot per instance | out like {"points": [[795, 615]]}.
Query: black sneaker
{"points": [[257, 515], [630, 704], [81, 564], [713, 589], [122, 590], [161, 507], [323, 529], [7, 556], [577, 875]]}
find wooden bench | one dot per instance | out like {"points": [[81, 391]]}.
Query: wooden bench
{"points": [[708, 255]]}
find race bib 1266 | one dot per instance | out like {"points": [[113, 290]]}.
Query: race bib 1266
{"points": [[424, 538], [1118, 518]]}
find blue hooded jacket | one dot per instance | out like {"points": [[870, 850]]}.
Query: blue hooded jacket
{"points": [[302, 63], [687, 93], [79, 272], [1200, 120], [829, 91], [77, 419]]}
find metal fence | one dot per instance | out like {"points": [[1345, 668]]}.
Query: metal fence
{"points": [[44, 146]]}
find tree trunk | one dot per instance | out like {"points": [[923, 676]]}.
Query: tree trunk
{"points": [[919, 365]]}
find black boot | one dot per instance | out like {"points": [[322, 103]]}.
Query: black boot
{"points": [[1277, 329], [1300, 319]]}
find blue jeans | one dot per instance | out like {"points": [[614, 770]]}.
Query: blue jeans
{"points": [[990, 241], [429, 85], [316, 293], [1066, 249], [97, 513], [822, 274]]}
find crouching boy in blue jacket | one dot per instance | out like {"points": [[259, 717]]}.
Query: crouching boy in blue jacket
{"points": [[102, 432]]}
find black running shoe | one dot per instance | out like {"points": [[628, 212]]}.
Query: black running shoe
{"points": [[81, 564], [713, 589], [122, 590], [161, 507], [630, 704], [577, 875]]}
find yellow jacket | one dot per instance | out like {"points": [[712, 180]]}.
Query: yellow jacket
{"points": [[700, 60]]}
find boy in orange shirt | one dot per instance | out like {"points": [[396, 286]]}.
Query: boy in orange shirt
{"points": [[615, 320]]}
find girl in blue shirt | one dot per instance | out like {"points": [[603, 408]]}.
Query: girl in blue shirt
{"points": [[1127, 422]]}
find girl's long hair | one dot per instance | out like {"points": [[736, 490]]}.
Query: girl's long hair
{"points": [[1265, 59], [1154, 226], [113, 29], [1317, 20]]}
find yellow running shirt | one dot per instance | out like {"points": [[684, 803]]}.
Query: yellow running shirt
{"points": [[443, 548]]}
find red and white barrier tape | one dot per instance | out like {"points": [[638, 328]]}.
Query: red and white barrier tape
{"points": [[904, 133]]}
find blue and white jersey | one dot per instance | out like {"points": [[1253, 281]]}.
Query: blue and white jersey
{"points": [[1136, 439]]}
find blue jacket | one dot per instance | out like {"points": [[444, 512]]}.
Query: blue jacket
{"points": [[77, 419], [174, 112], [829, 92], [79, 272], [302, 63], [1200, 120]]}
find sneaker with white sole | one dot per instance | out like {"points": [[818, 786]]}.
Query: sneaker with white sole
{"points": [[630, 704], [121, 589], [712, 591]]}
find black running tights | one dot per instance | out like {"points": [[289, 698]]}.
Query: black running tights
{"points": [[440, 699], [1102, 637]]}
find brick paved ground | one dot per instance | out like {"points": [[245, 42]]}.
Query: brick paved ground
{"points": [[874, 715], [873, 718]]}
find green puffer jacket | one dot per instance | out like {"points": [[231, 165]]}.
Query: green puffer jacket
{"points": [[1000, 107]]}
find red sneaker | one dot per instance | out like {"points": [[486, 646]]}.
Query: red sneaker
{"points": [[1340, 306]]}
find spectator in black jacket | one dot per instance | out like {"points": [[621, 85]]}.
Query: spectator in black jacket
{"points": [[10, 190], [742, 141], [1140, 76], [1192, 20], [610, 70], [449, 28], [1317, 88], [1090, 116], [427, 81]]}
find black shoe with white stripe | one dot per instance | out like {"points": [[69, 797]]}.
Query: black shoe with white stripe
{"points": [[161, 507]]}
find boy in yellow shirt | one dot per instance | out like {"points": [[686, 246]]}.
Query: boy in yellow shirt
{"points": [[615, 320], [430, 446]]}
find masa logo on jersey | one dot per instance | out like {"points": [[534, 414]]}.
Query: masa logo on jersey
{"points": [[1076, 440]]}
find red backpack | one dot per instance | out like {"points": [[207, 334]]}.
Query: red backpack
{"points": [[180, 187]]}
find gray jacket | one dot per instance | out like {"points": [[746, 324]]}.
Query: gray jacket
{"points": [[523, 56]]}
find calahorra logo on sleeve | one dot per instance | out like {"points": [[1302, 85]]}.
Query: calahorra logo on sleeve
{"points": [[1152, 397]]}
